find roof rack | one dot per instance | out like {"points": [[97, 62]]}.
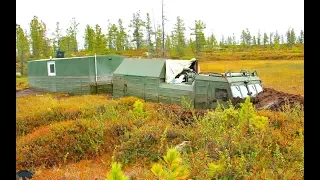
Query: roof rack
{"points": [[240, 74], [215, 74]]}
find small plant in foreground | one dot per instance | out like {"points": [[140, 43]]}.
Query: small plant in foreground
{"points": [[214, 169], [248, 117], [138, 111], [116, 172], [172, 167]]}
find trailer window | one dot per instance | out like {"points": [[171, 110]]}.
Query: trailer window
{"points": [[221, 93], [258, 87], [235, 91], [51, 69]]}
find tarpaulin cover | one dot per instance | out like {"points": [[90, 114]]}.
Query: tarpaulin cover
{"points": [[175, 67]]}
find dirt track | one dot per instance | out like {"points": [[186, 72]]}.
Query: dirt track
{"points": [[25, 92]]}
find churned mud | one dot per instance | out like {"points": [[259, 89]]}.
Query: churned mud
{"points": [[273, 100]]}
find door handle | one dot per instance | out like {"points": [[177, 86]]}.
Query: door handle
{"points": [[125, 88]]}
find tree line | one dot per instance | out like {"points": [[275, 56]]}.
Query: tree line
{"points": [[140, 35]]}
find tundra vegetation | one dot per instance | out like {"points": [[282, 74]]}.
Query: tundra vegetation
{"points": [[60, 136], [95, 136]]}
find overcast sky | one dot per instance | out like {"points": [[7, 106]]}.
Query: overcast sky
{"points": [[222, 17]]}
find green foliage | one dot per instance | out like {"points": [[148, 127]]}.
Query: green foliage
{"points": [[158, 37], [214, 169], [69, 43], [112, 37], [171, 168], [138, 107], [45, 110], [291, 37], [137, 24], [72, 35], [122, 37], [265, 39], [89, 38], [149, 34], [116, 172], [186, 103], [211, 42], [271, 40], [141, 145], [49, 146], [22, 47], [276, 40], [163, 138], [259, 38], [116, 41], [178, 39], [220, 145], [246, 38], [200, 40], [21, 83], [249, 118], [57, 36], [138, 112], [168, 45], [40, 44], [301, 37], [254, 42], [158, 171]]}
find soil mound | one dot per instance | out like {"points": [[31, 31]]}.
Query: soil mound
{"points": [[272, 99]]}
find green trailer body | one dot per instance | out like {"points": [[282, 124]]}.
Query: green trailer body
{"points": [[145, 78], [139, 77], [174, 93], [77, 75]]}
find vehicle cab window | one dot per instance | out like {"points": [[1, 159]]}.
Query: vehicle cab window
{"points": [[221, 93]]}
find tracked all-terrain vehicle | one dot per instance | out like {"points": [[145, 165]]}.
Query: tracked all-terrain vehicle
{"points": [[167, 81], [156, 80]]}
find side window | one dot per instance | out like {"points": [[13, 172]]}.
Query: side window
{"points": [[221, 93], [51, 68]]}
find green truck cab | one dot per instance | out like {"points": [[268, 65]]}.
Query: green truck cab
{"points": [[217, 88]]}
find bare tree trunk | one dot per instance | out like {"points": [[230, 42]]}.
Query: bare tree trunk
{"points": [[21, 63], [163, 53]]}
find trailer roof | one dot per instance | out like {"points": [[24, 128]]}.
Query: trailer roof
{"points": [[68, 58], [141, 67]]}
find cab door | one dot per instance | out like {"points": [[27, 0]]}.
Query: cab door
{"points": [[217, 93]]}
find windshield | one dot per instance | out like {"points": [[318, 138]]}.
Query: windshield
{"points": [[258, 87], [244, 91], [252, 89], [236, 91]]}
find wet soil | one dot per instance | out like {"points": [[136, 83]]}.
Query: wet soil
{"points": [[273, 100]]}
